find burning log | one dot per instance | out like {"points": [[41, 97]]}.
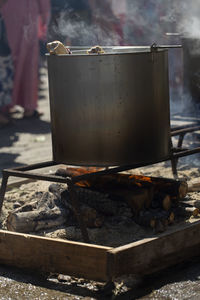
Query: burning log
{"points": [[174, 188]]}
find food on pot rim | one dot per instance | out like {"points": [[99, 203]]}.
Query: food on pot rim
{"points": [[96, 49], [56, 47]]}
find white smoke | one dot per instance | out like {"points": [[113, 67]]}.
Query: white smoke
{"points": [[145, 22], [79, 31]]}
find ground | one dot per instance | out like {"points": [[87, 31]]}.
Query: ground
{"points": [[29, 141]]}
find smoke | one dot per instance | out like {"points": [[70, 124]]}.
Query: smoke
{"points": [[77, 29], [187, 18], [143, 23]]}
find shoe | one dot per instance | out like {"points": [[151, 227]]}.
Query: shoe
{"points": [[14, 110], [34, 114]]}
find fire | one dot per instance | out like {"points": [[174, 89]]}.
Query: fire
{"points": [[111, 179]]}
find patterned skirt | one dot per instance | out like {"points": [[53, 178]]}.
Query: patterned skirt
{"points": [[6, 80], [6, 68]]}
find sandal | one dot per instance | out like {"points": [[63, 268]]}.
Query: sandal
{"points": [[14, 110]]}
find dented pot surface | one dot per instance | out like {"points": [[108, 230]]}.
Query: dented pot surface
{"points": [[110, 109]]}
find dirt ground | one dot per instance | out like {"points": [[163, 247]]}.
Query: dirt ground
{"points": [[29, 141]]}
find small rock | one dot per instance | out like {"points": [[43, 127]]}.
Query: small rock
{"points": [[16, 205]]}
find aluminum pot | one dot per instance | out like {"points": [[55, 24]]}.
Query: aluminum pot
{"points": [[110, 109]]}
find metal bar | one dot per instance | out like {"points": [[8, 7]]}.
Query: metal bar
{"points": [[183, 126], [176, 150], [115, 170], [174, 163], [180, 140], [186, 152], [77, 211], [37, 166], [185, 130], [3, 188], [168, 46], [37, 176]]}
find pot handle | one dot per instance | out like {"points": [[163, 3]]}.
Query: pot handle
{"points": [[155, 47]]}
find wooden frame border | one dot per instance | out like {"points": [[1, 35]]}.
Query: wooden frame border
{"points": [[154, 254], [53, 255]]}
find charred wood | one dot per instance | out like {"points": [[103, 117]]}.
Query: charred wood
{"points": [[161, 200], [155, 218], [137, 199], [99, 201], [146, 218], [185, 212], [91, 218], [169, 186], [36, 220]]}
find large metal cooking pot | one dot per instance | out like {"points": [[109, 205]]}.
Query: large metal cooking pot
{"points": [[110, 109]]}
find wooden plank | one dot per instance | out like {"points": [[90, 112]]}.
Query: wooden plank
{"points": [[154, 254], [53, 255]]}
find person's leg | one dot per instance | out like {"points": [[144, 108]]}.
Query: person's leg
{"points": [[29, 92]]}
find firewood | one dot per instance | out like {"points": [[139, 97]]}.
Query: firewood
{"points": [[166, 185], [91, 217], [194, 211], [166, 217], [171, 217], [177, 189], [146, 218], [194, 203], [155, 218], [161, 200], [101, 202], [186, 212], [160, 227], [136, 199], [33, 221]]}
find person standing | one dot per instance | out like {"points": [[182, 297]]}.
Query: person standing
{"points": [[6, 72], [22, 20]]}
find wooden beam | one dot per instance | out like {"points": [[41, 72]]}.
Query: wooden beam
{"points": [[154, 254], [53, 255]]}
